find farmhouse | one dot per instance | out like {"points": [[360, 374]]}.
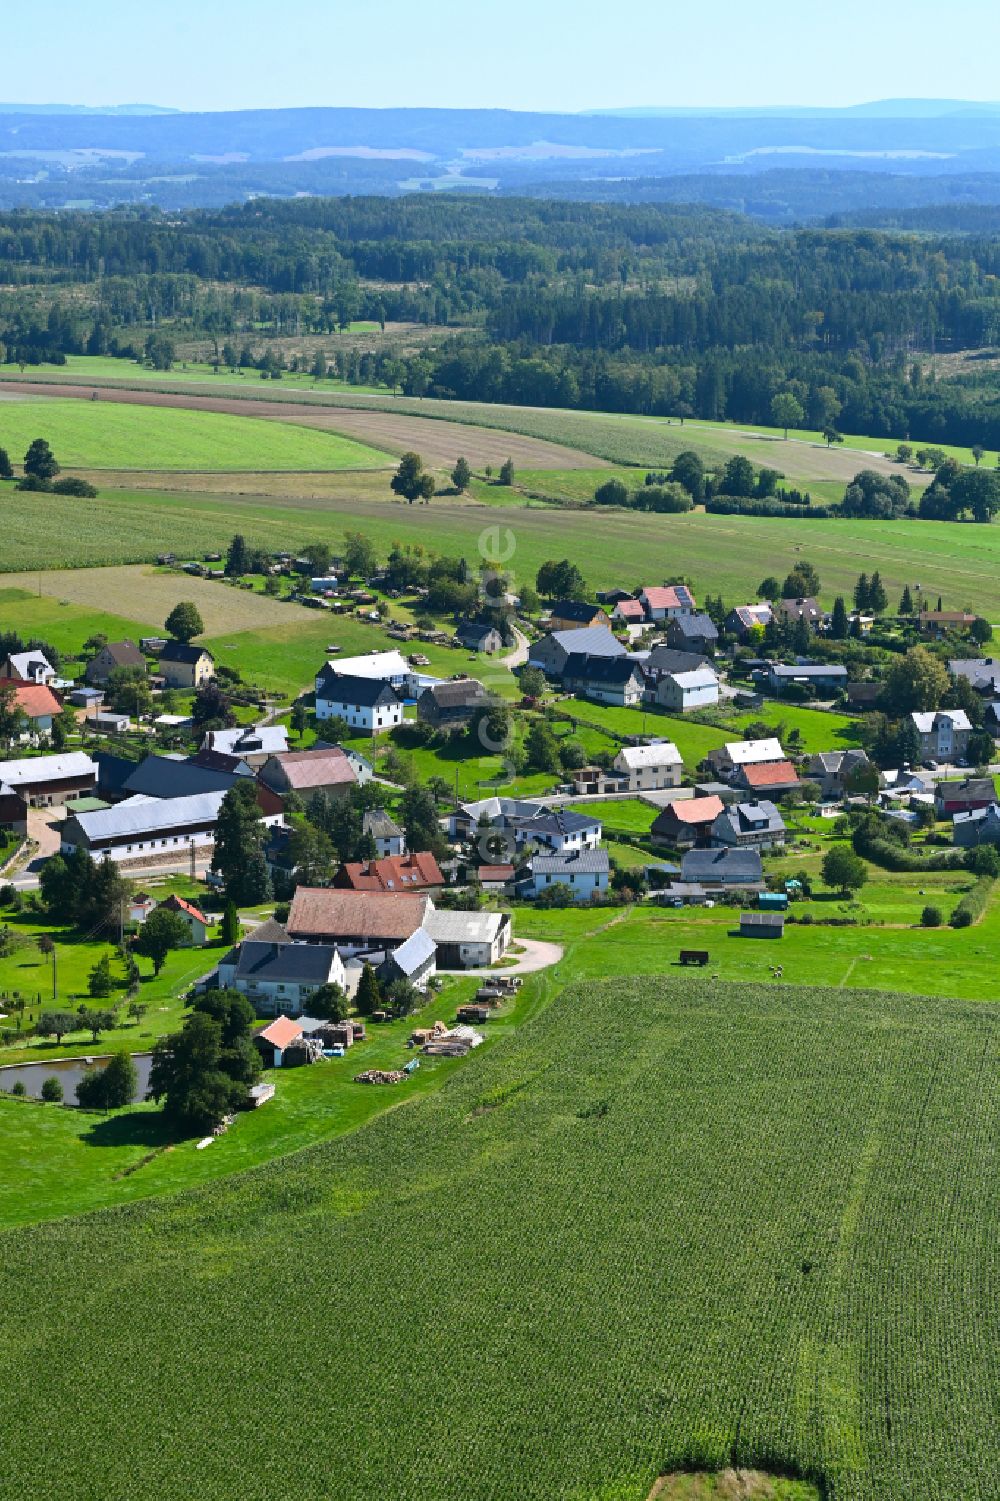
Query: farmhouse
{"points": [[683, 691], [649, 768], [368, 704], [473, 635], [943, 735], [963, 796], [184, 665], [606, 680], [280, 978], [468, 940], [193, 918], [388, 836], [382, 666], [143, 827], [686, 821], [573, 615], [28, 667], [357, 921], [37, 703], [331, 771], [451, 703], [692, 634], [978, 826], [252, 744], [667, 602], [112, 655], [416, 872], [552, 652], [730, 757], [756, 825], [50, 781], [584, 873], [724, 869]]}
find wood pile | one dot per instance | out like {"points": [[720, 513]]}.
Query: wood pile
{"points": [[380, 1076]]}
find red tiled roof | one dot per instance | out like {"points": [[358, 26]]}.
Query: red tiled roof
{"points": [[668, 597], [316, 768], [630, 609], [323, 912], [770, 774], [33, 699], [393, 873], [178, 904], [496, 872], [695, 809], [281, 1032]]}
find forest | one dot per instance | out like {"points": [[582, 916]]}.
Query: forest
{"points": [[660, 309]]}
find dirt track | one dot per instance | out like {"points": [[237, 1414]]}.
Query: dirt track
{"points": [[438, 442]]}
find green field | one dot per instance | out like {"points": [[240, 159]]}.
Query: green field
{"points": [[113, 435], [670, 1223]]}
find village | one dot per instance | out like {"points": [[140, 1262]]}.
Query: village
{"points": [[335, 888]]}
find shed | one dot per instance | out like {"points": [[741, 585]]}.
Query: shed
{"points": [[762, 924]]}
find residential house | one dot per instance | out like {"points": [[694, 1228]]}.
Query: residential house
{"points": [[191, 916], [612, 597], [469, 940], [574, 615], [681, 692], [383, 666], [415, 872], [37, 703], [824, 677], [451, 704], [649, 768], [723, 869], [940, 623], [280, 978], [388, 836], [728, 758], [140, 906], [841, 773], [367, 704], [357, 921], [977, 826], [686, 821], [185, 665], [963, 796], [744, 619], [667, 602], [112, 655], [252, 744], [306, 772], [584, 872], [807, 609], [629, 613], [497, 879], [50, 781], [695, 633], [756, 825], [557, 829], [766, 777], [982, 672], [473, 635], [864, 696], [415, 961], [28, 667], [606, 680], [663, 658], [553, 651], [944, 734]]}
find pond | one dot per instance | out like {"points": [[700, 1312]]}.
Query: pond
{"points": [[68, 1071]]}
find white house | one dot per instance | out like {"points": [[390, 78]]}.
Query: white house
{"points": [[650, 767], [944, 735], [667, 602], [684, 691], [585, 872], [28, 667], [736, 753], [280, 978], [250, 743], [368, 704], [382, 666]]}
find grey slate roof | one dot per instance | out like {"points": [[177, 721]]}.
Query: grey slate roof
{"points": [[578, 862], [699, 625], [740, 867], [605, 671], [149, 815], [308, 963], [183, 651], [573, 609], [162, 776], [592, 640], [412, 955], [341, 688], [379, 825]]}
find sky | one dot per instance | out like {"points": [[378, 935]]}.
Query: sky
{"points": [[511, 54]]}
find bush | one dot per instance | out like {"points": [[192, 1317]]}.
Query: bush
{"points": [[973, 904], [52, 1090], [73, 485], [931, 917]]}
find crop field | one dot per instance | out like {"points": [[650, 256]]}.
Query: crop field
{"points": [[112, 435], [756, 1226]]}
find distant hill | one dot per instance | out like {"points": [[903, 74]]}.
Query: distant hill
{"points": [[878, 109], [86, 109]]}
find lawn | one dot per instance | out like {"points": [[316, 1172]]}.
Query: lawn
{"points": [[103, 368], [693, 740], [627, 814], [113, 435], [674, 1223]]}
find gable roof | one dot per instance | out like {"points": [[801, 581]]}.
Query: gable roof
{"points": [[629, 609], [750, 615], [607, 671], [690, 810], [757, 817], [668, 597], [316, 768], [346, 688], [751, 752], [739, 866], [324, 910], [35, 700], [927, 723], [456, 693], [803, 608], [664, 658], [698, 625], [24, 664], [270, 932], [175, 903], [184, 651], [123, 653], [587, 862], [260, 739], [574, 609], [392, 873], [310, 963], [982, 672], [694, 677], [382, 665], [281, 1032], [149, 815], [769, 774], [660, 753], [379, 825], [62, 767], [471, 632], [414, 953], [162, 776], [590, 640]]}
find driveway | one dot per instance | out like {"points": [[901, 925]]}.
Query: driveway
{"points": [[519, 655], [537, 956]]}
